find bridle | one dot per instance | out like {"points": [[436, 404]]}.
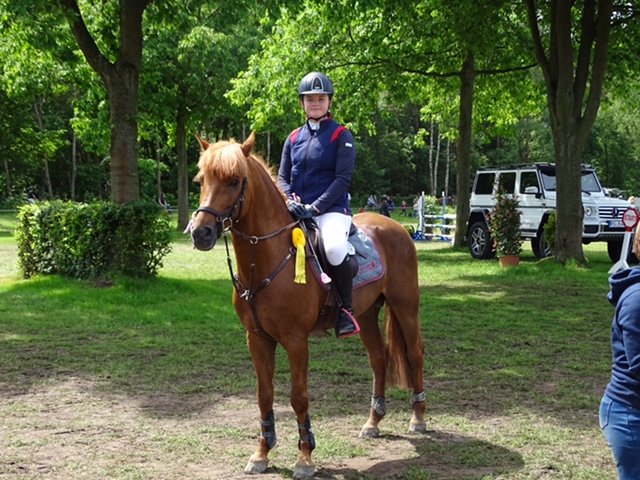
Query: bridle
{"points": [[226, 220]]}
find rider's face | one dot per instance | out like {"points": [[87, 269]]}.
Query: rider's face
{"points": [[317, 105]]}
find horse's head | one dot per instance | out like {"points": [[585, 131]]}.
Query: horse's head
{"points": [[222, 176]]}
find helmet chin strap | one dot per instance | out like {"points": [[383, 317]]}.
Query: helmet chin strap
{"points": [[326, 115]]}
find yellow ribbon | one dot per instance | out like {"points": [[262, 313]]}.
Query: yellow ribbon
{"points": [[299, 242]]}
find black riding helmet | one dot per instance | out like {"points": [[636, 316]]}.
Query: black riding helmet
{"points": [[315, 83]]}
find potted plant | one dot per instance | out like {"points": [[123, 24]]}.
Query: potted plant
{"points": [[504, 225]]}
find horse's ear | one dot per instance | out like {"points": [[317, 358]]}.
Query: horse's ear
{"points": [[203, 143], [248, 144]]}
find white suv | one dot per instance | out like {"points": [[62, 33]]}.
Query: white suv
{"points": [[535, 187]]}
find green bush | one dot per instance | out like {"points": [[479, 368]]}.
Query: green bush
{"points": [[81, 240], [504, 224], [550, 231]]}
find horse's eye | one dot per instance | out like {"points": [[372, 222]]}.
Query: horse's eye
{"points": [[234, 183]]}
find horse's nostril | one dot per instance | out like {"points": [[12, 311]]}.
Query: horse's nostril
{"points": [[203, 237], [207, 232]]}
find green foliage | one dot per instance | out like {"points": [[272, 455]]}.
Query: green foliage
{"points": [[550, 231], [504, 224], [82, 240]]}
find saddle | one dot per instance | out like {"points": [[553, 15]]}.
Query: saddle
{"points": [[367, 268]]}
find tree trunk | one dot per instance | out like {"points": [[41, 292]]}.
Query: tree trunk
{"points": [[569, 212], [37, 110], [434, 186], [122, 88], [447, 167], [437, 159], [121, 81], [467, 78], [74, 164], [183, 168], [574, 71], [158, 171], [7, 175]]}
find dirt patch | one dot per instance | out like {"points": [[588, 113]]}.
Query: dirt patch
{"points": [[75, 430]]}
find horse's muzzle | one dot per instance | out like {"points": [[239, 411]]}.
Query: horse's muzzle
{"points": [[204, 237]]}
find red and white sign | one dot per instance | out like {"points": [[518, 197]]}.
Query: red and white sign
{"points": [[630, 218]]}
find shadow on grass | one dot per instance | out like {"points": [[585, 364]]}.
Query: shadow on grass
{"points": [[494, 344], [437, 455], [535, 338], [160, 336]]}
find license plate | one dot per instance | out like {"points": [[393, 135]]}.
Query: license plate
{"points": [[615, 223]]}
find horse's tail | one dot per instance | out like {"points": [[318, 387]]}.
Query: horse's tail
{"points": [[399, 373]]}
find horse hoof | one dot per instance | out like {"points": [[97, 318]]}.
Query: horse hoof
{"points": [[304, 472], [255, 467], [418, 428], [369, 433]]}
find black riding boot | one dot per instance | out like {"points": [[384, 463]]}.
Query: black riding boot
{"points": [[342, 276]]}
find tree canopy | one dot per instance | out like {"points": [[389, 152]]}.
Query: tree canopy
{"points": [[113, 92]]}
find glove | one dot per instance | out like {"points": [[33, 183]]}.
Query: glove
{"points": [[300, 211]]}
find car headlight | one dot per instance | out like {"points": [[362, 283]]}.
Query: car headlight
{"points": [[589, 211]]}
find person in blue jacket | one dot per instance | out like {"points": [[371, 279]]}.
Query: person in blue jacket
{"points": [[620, 405], [315, 172]]}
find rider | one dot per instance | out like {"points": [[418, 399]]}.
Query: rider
{"points": [[315, 173]]}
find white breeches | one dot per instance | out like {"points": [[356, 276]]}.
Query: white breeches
{"points": [[334, 228]]}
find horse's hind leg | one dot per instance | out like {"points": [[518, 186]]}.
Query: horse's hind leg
{"points": [[262, 352], [298, 353], [374, 343], [406, 349]]}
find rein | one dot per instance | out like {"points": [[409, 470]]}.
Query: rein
{"points": [[249, 293], [226, 220]]}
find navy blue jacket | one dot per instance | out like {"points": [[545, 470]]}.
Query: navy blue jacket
{"points": [[624, 385], [317, 166]]}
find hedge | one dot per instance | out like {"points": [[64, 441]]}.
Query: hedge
{"points": [[91, 240]]}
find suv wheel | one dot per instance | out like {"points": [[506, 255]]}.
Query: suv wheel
{"points": [[540, 247], [614, 249], [480, 242]]}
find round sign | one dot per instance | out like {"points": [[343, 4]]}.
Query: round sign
{"points": [[630, 218]]}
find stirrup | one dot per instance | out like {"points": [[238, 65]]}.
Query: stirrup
{"points": [[354, 324]]}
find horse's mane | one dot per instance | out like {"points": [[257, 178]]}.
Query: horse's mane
{"points": [[225, 160]]}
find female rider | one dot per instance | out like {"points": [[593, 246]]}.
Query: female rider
{"points": [[315, 173]]}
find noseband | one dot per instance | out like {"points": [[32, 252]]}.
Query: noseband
{"points": [[225, 218]]}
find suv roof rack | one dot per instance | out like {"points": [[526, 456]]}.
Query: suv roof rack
{"points": [[519, 166]]}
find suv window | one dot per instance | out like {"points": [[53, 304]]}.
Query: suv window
{"points": [[484, 183], [589, 182], [508, 181], [549, 181], [528, 179]]}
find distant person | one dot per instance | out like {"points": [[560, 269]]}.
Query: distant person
{"points": [[384, 207], [31, 196], [620, 405], [403, 209], [163, 201]]}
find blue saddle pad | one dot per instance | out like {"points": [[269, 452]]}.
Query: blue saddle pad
{"points": [[370, 266]]}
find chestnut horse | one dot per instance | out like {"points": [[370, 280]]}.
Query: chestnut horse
{"points": [[239, 194]]}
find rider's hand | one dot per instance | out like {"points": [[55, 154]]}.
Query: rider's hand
{"points": [[300, 211]]}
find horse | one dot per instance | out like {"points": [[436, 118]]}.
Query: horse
{"points": [[239, 194]]}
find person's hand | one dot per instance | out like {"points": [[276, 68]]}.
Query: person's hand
{"points": [[300, 211]]}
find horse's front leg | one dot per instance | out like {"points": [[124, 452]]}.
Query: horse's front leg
{"points": [[374, 343], [298, 354], [262, 351]]}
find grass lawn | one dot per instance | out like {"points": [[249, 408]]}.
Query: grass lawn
{"points": [[152, 379]]}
